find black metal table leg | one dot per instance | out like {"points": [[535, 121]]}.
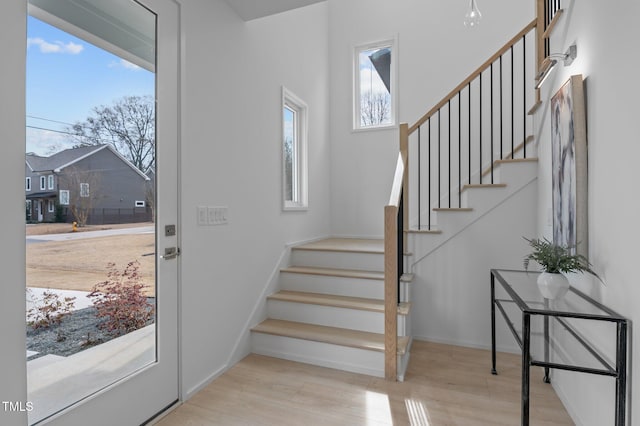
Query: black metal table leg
{"points": [[526, 360], [493, 325], [621, 369], [546, 378]]}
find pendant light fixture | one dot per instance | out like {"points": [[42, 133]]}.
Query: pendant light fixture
{"points": [[473, 16]]}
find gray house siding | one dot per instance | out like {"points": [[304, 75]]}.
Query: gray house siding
{"points": [[117, 191], [39, 201]]}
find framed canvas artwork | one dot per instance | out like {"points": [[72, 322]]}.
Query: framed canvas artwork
{"points": [[569, 165]]}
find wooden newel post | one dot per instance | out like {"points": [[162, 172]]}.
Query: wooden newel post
{"points": [[390, 292]]}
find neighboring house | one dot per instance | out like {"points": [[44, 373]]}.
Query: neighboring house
{"points": [[95, 184]]}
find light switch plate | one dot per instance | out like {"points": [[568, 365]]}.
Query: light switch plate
{"points": [[217, 215], [202, 215]]}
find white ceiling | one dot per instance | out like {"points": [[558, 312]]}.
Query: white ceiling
{"points": [[253, 9]]}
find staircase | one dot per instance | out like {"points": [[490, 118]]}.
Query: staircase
{"points": [[345, 303], [329, 310]]}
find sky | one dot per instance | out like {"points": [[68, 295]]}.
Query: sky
{"points": [[66, 78]]}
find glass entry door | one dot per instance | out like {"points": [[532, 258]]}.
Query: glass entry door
{"points": [[102, 252]]}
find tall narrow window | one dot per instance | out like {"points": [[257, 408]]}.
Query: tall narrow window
{"points": [[294, 152], [84, 189], [43, 182], [50, 181], [374, 94], [28, 184], [64, 197]]}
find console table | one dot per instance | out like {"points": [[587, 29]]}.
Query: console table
{"points": [[520, 302]]}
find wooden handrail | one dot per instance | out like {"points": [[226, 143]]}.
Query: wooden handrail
{"points": [[552, 24], [473, 75]]}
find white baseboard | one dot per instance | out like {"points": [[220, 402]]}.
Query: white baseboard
{"points": [[500, 348], [204, 383]]}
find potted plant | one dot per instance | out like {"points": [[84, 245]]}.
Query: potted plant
{"points": [[555, 260]]}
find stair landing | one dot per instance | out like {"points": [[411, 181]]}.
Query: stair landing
{"points": [[358, 245]]}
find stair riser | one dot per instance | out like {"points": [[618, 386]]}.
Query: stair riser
{"points": [[355, 287], [340, 260], [483, 198], [331, 316], [317, 353], [516, 174]]}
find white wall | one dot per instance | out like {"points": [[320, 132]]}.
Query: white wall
{"points": [[13, 370], [436, 52], [606, 38], [231, 156], [451, 290]]}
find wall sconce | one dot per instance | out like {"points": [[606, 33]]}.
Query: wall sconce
{"points": [[550, 62]]}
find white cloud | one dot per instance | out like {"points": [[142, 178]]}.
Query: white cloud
{"points": [[70, 48], [122, 63], [46, 142]]}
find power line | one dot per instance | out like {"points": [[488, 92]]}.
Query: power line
{"points": [[68, 133], [51, 130], [50, 120]]}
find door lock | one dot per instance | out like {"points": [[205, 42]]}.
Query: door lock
{"points": [[170, 253]]}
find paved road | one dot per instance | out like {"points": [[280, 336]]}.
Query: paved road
{"points": [[89, 234]]}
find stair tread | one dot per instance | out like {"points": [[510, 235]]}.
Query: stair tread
{"points": [[354, 245], [332, 335], [424, 231], [334, 272], [349, 302], [518, 160], [484, 185], [453, 209], [406, 277]]}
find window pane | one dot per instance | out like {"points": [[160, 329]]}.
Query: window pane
{"points": [[375, 86], [84, 189], [289, 153]]}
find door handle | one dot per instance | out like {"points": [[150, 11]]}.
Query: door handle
{"points": [[170, 253]]}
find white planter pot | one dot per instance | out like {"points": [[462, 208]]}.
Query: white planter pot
{"points": [[553, 286]]}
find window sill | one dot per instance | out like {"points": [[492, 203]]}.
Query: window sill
{"points": [[295, 208], [374, 128]]}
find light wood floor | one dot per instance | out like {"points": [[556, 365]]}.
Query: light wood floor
{"points": [[444, 385]]}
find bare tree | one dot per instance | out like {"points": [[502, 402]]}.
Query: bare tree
{"points": [[150, 196], [84, 191], [128, 125], [375, 108]]}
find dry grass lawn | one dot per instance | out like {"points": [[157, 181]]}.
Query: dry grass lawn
{"points": [[82, 263]]}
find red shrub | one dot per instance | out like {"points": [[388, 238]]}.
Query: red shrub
{"points": [[121, 300]]}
